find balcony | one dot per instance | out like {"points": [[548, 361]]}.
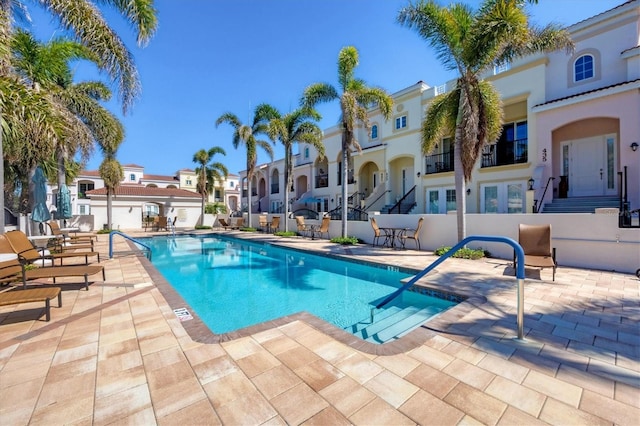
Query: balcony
{"points": [[504, 153], [439, 163], [322, 181]]}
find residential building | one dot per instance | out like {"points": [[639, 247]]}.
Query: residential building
{"points": [[571, 130]]}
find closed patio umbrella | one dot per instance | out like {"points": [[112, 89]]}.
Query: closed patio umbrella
{"points": [[39, 211], [64, 204]]}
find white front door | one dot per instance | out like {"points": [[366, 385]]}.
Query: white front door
{"points": [[591, 166]]}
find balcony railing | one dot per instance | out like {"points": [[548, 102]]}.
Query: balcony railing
{"points": [[322, 181], [439, 163], [505, 153]]}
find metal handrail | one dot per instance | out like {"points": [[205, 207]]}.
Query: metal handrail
{"points": [[488, 238], [112, 233], [376, 200], [408, 198], [536, 207]]}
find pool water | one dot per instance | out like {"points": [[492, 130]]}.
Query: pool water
{"points": [[232, 283]]}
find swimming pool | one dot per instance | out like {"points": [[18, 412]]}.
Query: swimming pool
{"points": [[232, 283]]}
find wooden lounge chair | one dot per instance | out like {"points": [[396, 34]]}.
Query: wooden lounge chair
{"points": [[262, 223], [536, 243], [86, 238], [239, 223], [412, 234], [17, 297], [224, 223], [20, 244], [322, 229], [14, 268]]}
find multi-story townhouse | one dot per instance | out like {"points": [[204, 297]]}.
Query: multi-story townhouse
{"points": [[570, 130]]}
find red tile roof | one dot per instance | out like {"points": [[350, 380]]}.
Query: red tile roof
{"points": [[586, 92], [144, 191], [159, 177]]}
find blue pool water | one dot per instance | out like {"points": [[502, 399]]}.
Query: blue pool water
{"points": [[232, 283]]}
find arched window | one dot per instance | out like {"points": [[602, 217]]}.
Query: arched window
{"points": [[306, 152], [374, 131], [583, 68]]}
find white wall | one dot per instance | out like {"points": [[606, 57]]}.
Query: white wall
{"points": [[604, 247]]}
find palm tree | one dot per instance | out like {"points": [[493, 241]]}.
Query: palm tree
{"points": [[45, 68], [355, 99], [295, 127], [86, 22], [112, 174], [208, 173], [472, 43], [248, 135]]}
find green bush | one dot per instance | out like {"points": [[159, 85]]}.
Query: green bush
{"points": [[285, 234], [103, 231], [464, 253], [247, 229], [345, 241], [203, 227]]}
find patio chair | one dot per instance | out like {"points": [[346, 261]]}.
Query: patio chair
{"points": [[17, 242], [303, 228], [239, 223], [412, 234], [536, 243], [161, 223], [322, 229], [16, 267], [262, 223], [377, 233], [275, 224], [18, 297]]}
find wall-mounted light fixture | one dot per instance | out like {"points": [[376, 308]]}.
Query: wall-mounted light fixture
{"points": [[530, 182], [468, 191], [130, 209], [634, 146], [418, 174]]}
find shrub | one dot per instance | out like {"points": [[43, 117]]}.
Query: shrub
{"points": [[203, 227], [345, 241], [247, 229], [285, 234], [103, 231], [464, 253]]}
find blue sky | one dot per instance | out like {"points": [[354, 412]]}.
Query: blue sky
{"points": [[210, 57]]}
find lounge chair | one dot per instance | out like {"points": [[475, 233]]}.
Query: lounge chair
{"points": [[536, 243], [303, 228], [224, 223], [322, 229], [275, 224], [87, 238], [239, 223], [15, 267], [412, 234], [19, 243], [17, 297], [160, 223]]}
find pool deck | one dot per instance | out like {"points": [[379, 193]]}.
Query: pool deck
{"points": [[118, 354]]}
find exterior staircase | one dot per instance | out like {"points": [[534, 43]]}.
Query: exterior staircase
{"points": [[391, 323], [581, 204]]}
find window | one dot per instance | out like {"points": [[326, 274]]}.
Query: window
{"points": [[84, 209], [187, 182], [306, 152], [506, 197], [401, 122], [132, 177], [231, 184], [441, 200], [498, 68], [83, 188], [583, 68], [374, 131]]}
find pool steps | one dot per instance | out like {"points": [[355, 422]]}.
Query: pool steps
{"points": [[392, 323]]}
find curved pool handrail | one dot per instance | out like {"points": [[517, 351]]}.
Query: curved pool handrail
{"points": [[112, 233], [519, 252]]}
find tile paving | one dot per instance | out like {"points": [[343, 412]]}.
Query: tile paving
{"points": [[117, 354]]}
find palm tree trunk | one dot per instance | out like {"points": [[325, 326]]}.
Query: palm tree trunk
{"points": [[287, 177], [345, 176], [109, 207], [249, 200], [461, 202]]}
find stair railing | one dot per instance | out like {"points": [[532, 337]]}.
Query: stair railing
{"points": [[376, 200], [147, 249], [519, 256], [536, 207], [408, 199]]}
